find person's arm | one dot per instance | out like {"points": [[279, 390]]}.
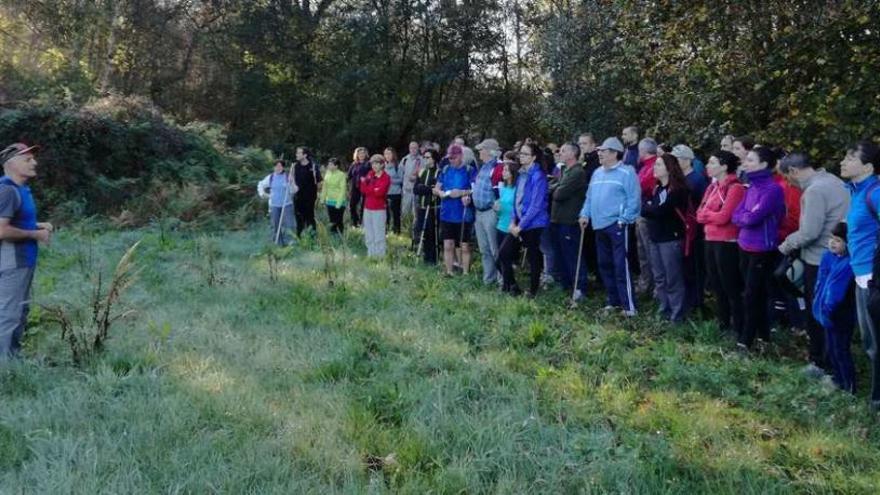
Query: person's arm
{"points": [[633, 204], [262, 186], [735, 195], [584, 215], [767, 206], [537, 200], [381, 186], [811, 228], [10, 233]]}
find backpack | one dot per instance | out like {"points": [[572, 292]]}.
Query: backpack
{"points": [[689, 219]]}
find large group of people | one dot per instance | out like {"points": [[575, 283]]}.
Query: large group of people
{"points": [[775, 239]]}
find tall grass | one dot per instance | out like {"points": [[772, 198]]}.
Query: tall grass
{"points": [[394, 380]]}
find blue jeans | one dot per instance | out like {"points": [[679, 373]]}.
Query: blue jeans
{"points": [[612, 248], [551, 265], [288, 224], [566, 241], [838, 340]]}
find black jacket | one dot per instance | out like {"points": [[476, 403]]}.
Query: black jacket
{"points": [[664, 211]]}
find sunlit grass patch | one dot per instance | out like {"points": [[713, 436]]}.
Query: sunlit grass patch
{"points": [[384, 377]]}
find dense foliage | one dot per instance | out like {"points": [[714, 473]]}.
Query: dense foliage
{"points": [[122, 158], [333, 75]]}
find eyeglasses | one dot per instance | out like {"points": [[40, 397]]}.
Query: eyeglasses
{"points": [[428, 157]]}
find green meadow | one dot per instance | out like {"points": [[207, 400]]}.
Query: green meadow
{"points": [[315, 370]]}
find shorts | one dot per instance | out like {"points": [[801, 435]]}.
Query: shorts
{"points": [[450, 231]]}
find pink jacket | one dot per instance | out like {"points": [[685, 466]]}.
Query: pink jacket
{"points": [[716, 210]]}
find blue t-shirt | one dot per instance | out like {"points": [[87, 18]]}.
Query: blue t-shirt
{"points": [[451, 209], [17, 204]]}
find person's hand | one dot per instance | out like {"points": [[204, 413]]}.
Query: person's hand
{"points": [[496, 206], [466, 200], [43, 236], [584, 221], [515, 230], [46, 226], [437, 192]]}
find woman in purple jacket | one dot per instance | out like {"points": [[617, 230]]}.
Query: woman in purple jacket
{"points": [[530, 215], [758, 217]]}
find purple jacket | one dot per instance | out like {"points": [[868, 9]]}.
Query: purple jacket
{"points": [[532, 213], [759, 213]]}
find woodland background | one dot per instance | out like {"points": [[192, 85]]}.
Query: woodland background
{"points": [[128, 95]]}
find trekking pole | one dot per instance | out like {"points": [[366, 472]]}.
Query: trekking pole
{"points": [[283, 203], [424, 227], [501, 248], [283, 206], [577, 270]]}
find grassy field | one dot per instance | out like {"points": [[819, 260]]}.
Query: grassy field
{"points": [[348, 375]]}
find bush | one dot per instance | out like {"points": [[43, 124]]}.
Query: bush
{"points": [[120, 157]]}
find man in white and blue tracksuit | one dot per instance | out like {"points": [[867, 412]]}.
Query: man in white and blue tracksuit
{"points": [[613, 201]]}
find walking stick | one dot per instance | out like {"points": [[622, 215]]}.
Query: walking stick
{"points": [[283, 206], [424, 227], [501, 248], [577, 270]]}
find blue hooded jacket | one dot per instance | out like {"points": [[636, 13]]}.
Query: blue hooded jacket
{"points": [[832, 283], [532, 213]]}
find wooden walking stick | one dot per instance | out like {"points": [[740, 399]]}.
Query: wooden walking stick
{"points": [[284, 203]]}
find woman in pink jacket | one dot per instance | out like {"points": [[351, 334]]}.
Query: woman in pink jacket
{"points": [[722, 254]]}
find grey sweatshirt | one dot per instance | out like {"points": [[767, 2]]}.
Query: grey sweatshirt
{"points": [[824, 203], [395, 172]]}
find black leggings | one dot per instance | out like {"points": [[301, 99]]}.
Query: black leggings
{"points": [[726, 283], [394, 211], [336, 218], [531, 241], [757, 270]]}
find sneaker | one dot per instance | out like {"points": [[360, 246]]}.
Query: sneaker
{"points": [[578, 295], [742, 349], [609, 308], [628, 314], [813, 371]]}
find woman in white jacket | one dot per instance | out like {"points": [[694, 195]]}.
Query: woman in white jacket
{"points": [[278, 188]]}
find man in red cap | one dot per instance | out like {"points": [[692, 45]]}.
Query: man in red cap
{"points": [[456, 211], [19, 234]]}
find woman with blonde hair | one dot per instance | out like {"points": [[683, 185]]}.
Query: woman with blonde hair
{"points": [[358, 169]]}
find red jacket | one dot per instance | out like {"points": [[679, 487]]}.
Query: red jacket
{"points": [[646, 176], [374, 190], [716, 209], [792, 196]]}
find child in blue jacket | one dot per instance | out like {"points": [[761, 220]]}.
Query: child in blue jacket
{"points": [[834, 307]]}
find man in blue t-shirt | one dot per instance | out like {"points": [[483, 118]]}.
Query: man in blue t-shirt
{"points": [[456, 211], [19, 234]]}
